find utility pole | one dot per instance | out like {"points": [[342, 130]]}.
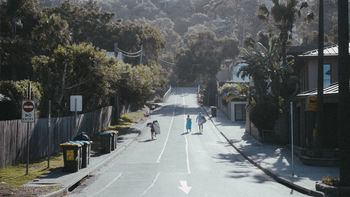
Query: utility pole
{"points": [[343, 93], [319, 121], [115, 49], [141, 54]]}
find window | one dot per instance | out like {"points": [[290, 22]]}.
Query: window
{"points": [[326, 75]]}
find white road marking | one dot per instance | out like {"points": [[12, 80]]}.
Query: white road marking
{"points": [[167, 137], [187, 158], [109, 184], [153, 183], [186, 147], [184, 187]]}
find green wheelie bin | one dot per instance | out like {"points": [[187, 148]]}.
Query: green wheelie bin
{"points": [[85, 152], [106, 141]]}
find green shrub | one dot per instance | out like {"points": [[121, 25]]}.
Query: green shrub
{"points": [[233, 91], [331, 181], [16, 91], [264, 115]]}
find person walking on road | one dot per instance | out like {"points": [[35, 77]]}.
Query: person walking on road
{"points": [[153, 132], [188, 124], [201, 120]]}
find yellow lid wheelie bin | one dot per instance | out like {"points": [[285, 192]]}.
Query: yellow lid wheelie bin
{"points": [[71, 156]]}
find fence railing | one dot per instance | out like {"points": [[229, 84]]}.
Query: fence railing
{"points": [[13, 134], [167, 94]]}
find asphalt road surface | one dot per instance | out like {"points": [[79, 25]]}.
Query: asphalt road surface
{"points": [[180, 164]]}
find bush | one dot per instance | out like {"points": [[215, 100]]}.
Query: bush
{"points": [[331, 181], [16, 92], [264, 116], [233, 91]]}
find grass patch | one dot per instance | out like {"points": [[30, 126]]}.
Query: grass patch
{"points": [[126, 121], [15, 176]]}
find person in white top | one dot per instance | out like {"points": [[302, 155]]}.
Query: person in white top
{"points": [[201, 120]]}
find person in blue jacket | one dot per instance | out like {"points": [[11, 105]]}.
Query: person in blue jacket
{"points": [[188, 124]]}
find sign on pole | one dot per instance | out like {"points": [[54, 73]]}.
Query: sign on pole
{"points": [[76, 103], [28, 111]]}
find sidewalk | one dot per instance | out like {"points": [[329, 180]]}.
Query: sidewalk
{"points": [[275, 160], [69, 180]]}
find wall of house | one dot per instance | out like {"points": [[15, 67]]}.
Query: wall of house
{"points": [[312, 70], [229, 109], [232, 109], [312, 74]]}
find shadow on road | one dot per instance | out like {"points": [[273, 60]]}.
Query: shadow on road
{"points": [[148, 140]]}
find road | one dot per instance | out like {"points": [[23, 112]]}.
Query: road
{"points": [[180, 164]]}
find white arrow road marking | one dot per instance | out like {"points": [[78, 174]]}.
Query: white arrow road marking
{"points": [[109, 184], [154, 182], [184, 187]]}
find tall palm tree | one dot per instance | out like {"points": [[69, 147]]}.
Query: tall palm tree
{"points": [[284, 16]]}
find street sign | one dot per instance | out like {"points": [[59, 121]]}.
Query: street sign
{"points": [[28, 111], [76, 103], [311, 103]]}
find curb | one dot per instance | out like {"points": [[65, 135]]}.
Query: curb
{"points": [[65, 190], [274, 176]]}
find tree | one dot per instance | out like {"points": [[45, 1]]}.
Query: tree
{"points": [[266, 69], [49, 33], [204, 56], [284, 16], [18, 17], [87, 23], [133, 35], [16, 92], [78, 69]]}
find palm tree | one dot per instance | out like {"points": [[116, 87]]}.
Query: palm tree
{"points": [[284, 16]]}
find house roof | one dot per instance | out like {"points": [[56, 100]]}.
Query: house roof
{"points": [[327, 51], [329, 90]]}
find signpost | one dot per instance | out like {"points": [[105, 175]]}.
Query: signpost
{"points": [[76, 104], [48, 134], [28, 116], [28, 111], [292, 135]]}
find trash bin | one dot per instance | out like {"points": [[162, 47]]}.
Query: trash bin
{"points": [[106, 141], [114, 139], [213, 111], [85, 152], [71, 156], [82, 137]]}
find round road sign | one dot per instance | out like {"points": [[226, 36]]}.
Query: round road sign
{"points": [[28, 106]]}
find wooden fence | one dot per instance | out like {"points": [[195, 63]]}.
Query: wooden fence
{"points": [[13, 135]]}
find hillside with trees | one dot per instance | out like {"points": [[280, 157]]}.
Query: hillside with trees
{"points": [[62, 50]]}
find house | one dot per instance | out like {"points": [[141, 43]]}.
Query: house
{"points": [[235, 109], [315, 147]]}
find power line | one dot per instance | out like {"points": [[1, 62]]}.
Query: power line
{"points": [[167, 62]]}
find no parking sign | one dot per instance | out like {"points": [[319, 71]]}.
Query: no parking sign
{"points": [[28, 111]]}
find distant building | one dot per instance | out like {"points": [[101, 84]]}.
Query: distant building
{"points": [[234, 109]]}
